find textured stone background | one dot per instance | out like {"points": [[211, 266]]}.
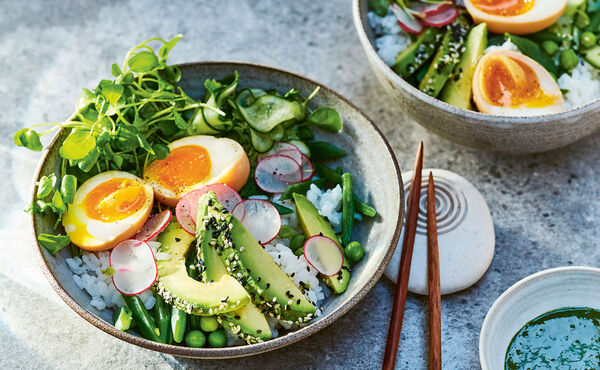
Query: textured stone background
{"points": [[546, 207]]}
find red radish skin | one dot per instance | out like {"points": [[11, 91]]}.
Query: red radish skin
{"points": [[407, 23], [323, 241], [133, 243], [428, 10], [441, 19], [226, 195], [260, 218], [182, 214], [308, 170], [154, 226], [276, 172]]}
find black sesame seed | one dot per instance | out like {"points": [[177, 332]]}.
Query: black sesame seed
{"points": [[225, 300], [267, 286], [237, 317], [177, 240], [298, 301], [293, 274], [258, 331]]}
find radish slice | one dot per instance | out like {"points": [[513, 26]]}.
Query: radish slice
{"points": [[278, 148], [228, 198], [441, 19], [427, 10], [260, 218], [276, 172], [293, 153], [134, 267], [406, 22], [154, 226], [182, 213], [308, 170], [324, 255]]}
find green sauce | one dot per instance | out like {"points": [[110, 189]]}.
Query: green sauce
{"points": [[567, 338]]}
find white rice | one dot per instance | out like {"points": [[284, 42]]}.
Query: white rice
{"points": [[390, 38], [582, 83], [329, 204]]}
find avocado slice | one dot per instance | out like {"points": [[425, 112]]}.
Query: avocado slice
{"points": [[272, 289], [416, 54], [312, 224], [248, 322], [447, 56], [186, 293], [459, 88]]}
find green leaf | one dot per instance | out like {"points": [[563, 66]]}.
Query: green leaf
{"points": [[68, 186], [144, 61], [88, 162], [115, 70], [112, 93], [109, 271], [161, 151], [326, 118], [58, 204], [180, 122], [29, 139], [163, 52], [45, 186], [53, 243], [127, 79], [172, 74], [77, 145], [85, 98]]}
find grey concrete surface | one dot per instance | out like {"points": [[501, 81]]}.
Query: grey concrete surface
{"points": [[546, 207]]}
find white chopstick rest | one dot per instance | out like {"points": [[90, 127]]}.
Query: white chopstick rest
{"points": [[465, 235]]}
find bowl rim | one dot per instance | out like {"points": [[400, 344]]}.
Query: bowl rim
{"points": [[246, 349], [500, 302], [484, 119]]}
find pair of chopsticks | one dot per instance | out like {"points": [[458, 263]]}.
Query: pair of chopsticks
{"points": [[435, 342]]}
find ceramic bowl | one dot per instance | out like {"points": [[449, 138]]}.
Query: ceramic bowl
{"points": [[536, 294], [515, 135], [377, 178]]}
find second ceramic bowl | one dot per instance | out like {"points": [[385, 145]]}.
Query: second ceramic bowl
{"points": [[572, 286], [514, 135]]}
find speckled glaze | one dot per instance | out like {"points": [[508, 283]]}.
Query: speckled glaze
{"points": [[377, 181], [573, 286], [515, 135]]}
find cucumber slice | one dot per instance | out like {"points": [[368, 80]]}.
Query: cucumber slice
{"points": [[592, 56], [277, 133], [268, 111], [302, 147], [261, 142], [214, 119]]}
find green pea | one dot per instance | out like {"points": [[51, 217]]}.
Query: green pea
{"points": [[286, 232], [195, 338], [208, 323], [354, 251], [550, 47], [587, 39], [298, 252], [568, 59], [297, 242], [217, 339]]}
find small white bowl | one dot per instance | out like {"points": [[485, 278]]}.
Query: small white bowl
{"points": [[574, 286]]}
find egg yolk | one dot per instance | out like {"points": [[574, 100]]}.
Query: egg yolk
{"points": [[509, 82], [114, 200], [505, 8], [185, 166]]}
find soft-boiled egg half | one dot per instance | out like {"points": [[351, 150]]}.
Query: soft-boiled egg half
{"points": [[519, 17], [107, 209], [508, 83], [195, 161]]}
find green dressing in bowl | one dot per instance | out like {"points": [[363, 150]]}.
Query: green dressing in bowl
{"points": [[566, 338]]}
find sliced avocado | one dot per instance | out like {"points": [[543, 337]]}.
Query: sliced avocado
{"points": [[416, 54], [244, 258], [447, 56], [459, 88], [186, 293], [248, 322], [312, 224]]}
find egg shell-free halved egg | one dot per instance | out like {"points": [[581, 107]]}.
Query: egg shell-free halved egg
{"points": [[115, 217], [542, 14], [551, 100], [196, 161]]}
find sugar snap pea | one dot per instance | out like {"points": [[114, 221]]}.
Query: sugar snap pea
{"points": [[321, 150], [141, 316], [297, 242], [122, 318], [283, 210], [161, 318], [347, 207], [178, 322], [301, 188], [286, 232]]}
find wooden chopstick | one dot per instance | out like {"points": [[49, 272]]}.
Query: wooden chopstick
{"points": [[412, 212], [433, 277]]}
